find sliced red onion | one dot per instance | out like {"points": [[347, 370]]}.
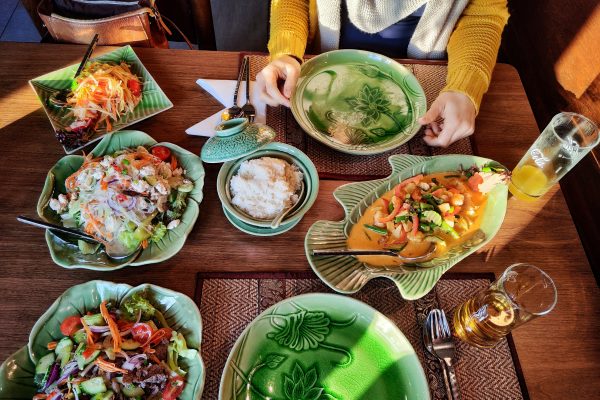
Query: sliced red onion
{"points": [[123, 354], [125, 333], [69, 369], [115, 387], [139, 317], [133, 362], [87, 369], [99, 329], [54, 374]]}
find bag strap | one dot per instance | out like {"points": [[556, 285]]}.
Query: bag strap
{"points": [[161, 21]]}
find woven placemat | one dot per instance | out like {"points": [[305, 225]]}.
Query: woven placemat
{"points": [[228, 302], [337, 165]]}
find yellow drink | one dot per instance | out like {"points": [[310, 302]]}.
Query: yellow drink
{"points": [[528, 182]]}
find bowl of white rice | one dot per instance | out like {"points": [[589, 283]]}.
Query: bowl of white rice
{"points": [[256, 188]]}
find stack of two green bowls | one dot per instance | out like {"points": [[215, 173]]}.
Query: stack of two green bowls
{"points": [[237, 141]]}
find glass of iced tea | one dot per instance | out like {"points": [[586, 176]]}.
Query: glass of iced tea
{"points": [[522, 293], [566, 140]]}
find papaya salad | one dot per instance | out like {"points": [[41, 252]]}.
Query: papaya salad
{"points": [[116, 353], [442, 208], [133, 196], [100, 95]]}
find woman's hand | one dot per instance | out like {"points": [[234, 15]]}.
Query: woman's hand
{"points": [[284, 68], [458, 114]]}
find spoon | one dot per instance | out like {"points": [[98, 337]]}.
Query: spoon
{"points": [[59, 98], [114, 250], [389, 252], [235, 111], [277, 220]]}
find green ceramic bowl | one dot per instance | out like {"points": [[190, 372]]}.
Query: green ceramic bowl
{"points": [[322, 346], [180, 311], [277, 150], [347, 275], [153, 100], [358, 102], [16, 374], [67, 254]]}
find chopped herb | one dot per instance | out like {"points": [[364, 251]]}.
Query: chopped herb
{"points": [[435, 181], [376, 229]]}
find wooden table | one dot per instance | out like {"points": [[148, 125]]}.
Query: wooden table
{"points": [[559, 353]]}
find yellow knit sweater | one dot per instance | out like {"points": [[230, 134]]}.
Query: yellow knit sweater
{"points": [[472, 48]]}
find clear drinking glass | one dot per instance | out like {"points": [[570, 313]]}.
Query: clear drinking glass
{"points": [[566, 140], [522, 293]]}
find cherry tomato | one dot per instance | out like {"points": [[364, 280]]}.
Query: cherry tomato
{"points": [[135, 86], [141, 332], [121, 197], [174, 388], [70, 325], [87, 353], [161, 152]]}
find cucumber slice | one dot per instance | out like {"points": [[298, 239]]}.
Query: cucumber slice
{"points": [[434, 239], [80, 336], [63, 351], [104, 396], [81, 361], [94, 319], [42, 368], [431, 216], [131, 390], [93, 386]]}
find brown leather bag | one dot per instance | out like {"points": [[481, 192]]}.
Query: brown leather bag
{"points": [[142, 28]]}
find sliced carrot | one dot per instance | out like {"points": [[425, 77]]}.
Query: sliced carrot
{"points": [[89, 335], [103, 185], [144, 243], [51, 345], [109, 367], [173, 162], [114, 329]]}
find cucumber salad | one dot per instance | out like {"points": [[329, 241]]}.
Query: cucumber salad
{"points": [[133, 197], [118, 353]]}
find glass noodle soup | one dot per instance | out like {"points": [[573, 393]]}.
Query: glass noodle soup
{"points": [[443, 208]]}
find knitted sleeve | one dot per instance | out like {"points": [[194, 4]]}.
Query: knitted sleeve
{"points": [[473, 48], [289, 28]]}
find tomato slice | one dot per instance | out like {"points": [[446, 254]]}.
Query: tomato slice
{"points": [[70, 325], [141, 332], [474, 182], [161, 152], [135, 86], [174, 388]]}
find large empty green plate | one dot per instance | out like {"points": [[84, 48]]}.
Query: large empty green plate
{"points": [[347, 274], [67, 254], [153, 99], [322, 346], [358, 102]]}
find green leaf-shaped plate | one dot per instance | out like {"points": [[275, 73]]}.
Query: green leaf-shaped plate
{"points": [[16, 377], [347, 275], [358, 102], [153, 99], [322, 346], [180, 311], [67, 254]]}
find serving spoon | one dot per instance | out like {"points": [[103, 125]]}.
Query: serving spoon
{"points": [[277, 220], [114, 250], [388, 252]]}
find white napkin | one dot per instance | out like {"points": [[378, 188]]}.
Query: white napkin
{"points": [[222, 90]]}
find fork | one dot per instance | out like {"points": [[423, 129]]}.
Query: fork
{"points": [[429, 347], [443, 346], [248, 109]]}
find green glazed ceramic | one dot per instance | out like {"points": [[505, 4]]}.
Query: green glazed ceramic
{"points": [[234, 139], [153, 99], [322, 346], [67, 254], [16, 377], [179, 310], [347, 275], [288, 153], [358, 102], [259, 230]]}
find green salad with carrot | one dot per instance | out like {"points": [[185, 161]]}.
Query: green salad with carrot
{"points": [[117, 353]]}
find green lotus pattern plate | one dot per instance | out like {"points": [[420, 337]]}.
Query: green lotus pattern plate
{"points": [[182, 314], [348, 275], [179, 310], [153, 99], [67, 254], [322, 347], [358, 102]]}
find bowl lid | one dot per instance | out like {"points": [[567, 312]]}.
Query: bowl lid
{"points": [[234, 139]]}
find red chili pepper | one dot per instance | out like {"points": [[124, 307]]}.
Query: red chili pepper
{"points": [[397, 206], [415, 221]]}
